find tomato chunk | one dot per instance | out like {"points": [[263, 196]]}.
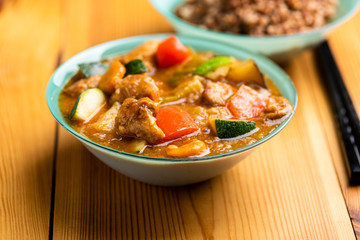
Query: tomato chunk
{"points": [[175, 123], [247, 103], [171, 52]]}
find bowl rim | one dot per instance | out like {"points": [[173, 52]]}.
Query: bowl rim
{"points": [[168, 13], [147, 159]]}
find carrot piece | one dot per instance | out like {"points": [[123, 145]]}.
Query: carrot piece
{"points": [[247, 103], [193, 148], [171, 52], [175, 123]]}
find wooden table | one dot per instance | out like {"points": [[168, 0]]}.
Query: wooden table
{"points": [[294, 187]]}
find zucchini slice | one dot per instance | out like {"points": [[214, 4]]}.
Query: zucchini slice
{"points": [[212, 64], [135, 67], [87, 104], [93, 68], [231, 128]]}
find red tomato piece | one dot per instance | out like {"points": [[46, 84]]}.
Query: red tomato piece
{"points": [[171, 52], [175, 123], [247, 103]]}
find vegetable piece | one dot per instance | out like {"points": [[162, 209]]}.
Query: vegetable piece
{"points": [[87, 104], [137, 145], [187, 69], [135, 67], [190, 89], [212, 64], [175, 123], [171, 52], [247, 103], [193, 148], [93, 68], [231, 128], [246, 72], [106, 122], [110, 78], [218, 73]]}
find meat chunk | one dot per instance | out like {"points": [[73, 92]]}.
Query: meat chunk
{"points": [[136, 86], [277, 108], [216, 93], [136, 118], [145, 52], [78, 87]]}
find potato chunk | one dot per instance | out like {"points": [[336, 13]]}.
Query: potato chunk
{"points": [[246, 72]]}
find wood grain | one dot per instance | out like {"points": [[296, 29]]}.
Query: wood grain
{"points": [[29, 45], [288, 189], [293, 187], [344, 43]]}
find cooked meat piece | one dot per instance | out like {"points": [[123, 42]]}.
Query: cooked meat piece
{"points": [[136, 118], [277, 108], [216, 93], [78, 87], [135, 86], [145, 52]]}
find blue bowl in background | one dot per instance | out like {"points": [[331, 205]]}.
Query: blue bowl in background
{"points": [[278, 48]]}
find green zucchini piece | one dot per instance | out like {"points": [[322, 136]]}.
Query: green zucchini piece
{"points": [[135, 67], [93, 68], [212, 64], [231, 128], [88, 103]]}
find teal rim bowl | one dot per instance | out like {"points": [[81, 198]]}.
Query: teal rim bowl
{"points": [[278, 48], [110, 49]]}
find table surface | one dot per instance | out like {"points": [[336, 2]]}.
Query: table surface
{"points": [[294, 187]]}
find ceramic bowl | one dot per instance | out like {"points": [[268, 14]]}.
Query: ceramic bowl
{"points": [[164, 171], [278, 48]]}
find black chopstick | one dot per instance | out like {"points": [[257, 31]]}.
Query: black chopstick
{"points": [[346, 115]]}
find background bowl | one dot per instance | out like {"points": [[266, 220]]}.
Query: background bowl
{"points": [[278, 48], [164, 171]]}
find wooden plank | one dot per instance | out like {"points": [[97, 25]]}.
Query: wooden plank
{"points": [[29, 47], [344, 44], [287, 189]]}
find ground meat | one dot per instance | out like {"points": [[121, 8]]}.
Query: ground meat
{"points": [[258, 17], [78, 87], [145, 52], [216, 93], [277, 108], [135, 86], [136, 118]]}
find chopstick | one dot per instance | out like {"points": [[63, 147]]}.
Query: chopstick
{"points": [[346, 115]]}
